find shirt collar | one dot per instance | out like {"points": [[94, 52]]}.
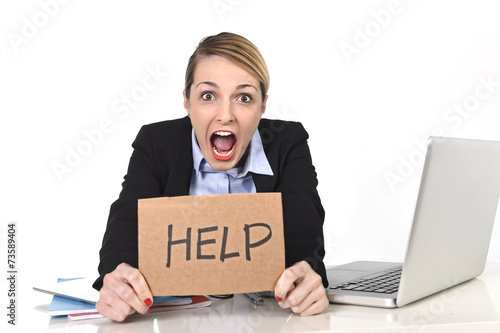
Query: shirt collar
{"points": [[256, 161]]}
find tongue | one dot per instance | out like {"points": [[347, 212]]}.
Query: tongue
{"points": [[223, 143]]}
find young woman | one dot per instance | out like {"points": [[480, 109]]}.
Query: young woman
{"points": [[222, 146]]}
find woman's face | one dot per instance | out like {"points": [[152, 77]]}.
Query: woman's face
{"points": [[225, 106]]}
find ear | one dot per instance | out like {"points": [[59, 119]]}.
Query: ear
{"points": [[263, 107], [186, 101]]}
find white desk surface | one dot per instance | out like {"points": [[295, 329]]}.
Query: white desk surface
{"points": [[473, 306]]}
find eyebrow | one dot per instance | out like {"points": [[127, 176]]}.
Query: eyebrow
{"points": [[242, 86], [210, 83], [213, 84]]}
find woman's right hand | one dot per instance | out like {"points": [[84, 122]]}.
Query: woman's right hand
{"points": [[124, 292]]}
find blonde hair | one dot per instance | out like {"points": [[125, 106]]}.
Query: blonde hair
{"points": [[234, 48]]}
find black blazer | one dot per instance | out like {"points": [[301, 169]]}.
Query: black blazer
{"points": [[162, 164]]}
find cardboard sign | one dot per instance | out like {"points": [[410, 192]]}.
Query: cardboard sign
{"points": [[211, 244]]}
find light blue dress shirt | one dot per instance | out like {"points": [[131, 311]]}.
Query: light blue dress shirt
{"points": [[206, 180]]}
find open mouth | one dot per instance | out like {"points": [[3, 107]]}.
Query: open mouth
{"points": [[223, 145]]}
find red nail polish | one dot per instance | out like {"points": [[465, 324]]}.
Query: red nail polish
{"points": [[279, 299], [148, 302], [149, 310]]}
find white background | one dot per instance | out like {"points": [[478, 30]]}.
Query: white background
{"points": [[67, 65]]}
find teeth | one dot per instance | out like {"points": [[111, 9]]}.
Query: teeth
{"points": [[221, 133], [222, 155]]}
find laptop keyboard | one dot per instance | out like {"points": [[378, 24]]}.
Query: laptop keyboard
{"points": [[385, 282]]}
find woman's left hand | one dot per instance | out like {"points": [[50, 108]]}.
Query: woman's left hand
{"points": [[301, 289]]}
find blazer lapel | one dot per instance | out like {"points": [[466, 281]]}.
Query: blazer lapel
{"points": [[179, 179], [264, 183]]}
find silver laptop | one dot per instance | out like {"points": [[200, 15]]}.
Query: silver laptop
{"points": [[450, 235]]}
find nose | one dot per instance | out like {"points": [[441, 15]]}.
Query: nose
{"points": [[225, 114]]}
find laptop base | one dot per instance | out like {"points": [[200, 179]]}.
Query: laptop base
{"points": [[357, 270]]}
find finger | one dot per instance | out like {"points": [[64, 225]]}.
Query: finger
{"points": [[288, 279], [316, 307], [107, 311], [111, 306], [310, 286], [302, 305], [114, 314], [129, 284], [118, 299]]}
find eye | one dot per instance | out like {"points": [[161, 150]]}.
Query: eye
{"points": [[245, 98], [208, 96]]}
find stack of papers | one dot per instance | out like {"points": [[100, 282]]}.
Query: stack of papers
{"points": [[80, 307], [173, 303]]}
